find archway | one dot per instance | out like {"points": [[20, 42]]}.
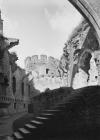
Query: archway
{"points": [[14, 85], [22, 88], [90, 9]]}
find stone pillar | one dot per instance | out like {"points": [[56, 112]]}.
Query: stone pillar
{"points": [[70, 72], [93, 73], [99, 74], [97, 61]]}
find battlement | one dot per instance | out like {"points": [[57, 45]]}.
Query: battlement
{"points": [[43, 58], [27, 60], [35, 60]]}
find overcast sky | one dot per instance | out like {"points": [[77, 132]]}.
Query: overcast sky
{"points": [[42, 26]]}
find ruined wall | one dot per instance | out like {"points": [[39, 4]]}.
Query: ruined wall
{"points": [[21, 89], [78, 51], [43, 66], [73, 48], [12, 100], [93, 72], [90, 9], [45, 71]]}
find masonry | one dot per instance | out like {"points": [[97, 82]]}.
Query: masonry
{"points": [[48, 65], [46, 72], [15, 88]]}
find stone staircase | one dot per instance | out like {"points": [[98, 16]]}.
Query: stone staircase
{"points": [[79, 115]]}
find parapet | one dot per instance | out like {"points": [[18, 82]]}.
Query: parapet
{"points": [[43, 58], [34, 59], [27, 60], [51, 59]]}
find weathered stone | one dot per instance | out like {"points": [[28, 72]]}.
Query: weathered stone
{"points": [[90, 9], [79, 48], [46, 72]]}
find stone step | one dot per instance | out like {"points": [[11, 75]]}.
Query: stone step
{"points": [[42, 118], [23, 130], [52, 113], [10, 138], [18, 135], [36, 122], [30, 126], [47, 114], [60, 107], [52, 110]]}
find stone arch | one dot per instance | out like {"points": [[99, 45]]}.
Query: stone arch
{"points": [[84, 62], [82, 69], [85, 51], [22, 88], [29, 89], [14, 84], [90, 9]]}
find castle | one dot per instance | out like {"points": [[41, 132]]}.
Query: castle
{"points": [[45, 71], [43, 66]]}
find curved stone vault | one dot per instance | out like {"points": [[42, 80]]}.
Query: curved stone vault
{"points": [[90, 9]]}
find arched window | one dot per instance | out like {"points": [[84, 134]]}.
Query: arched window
{"points": [[14, 85], [28, 89], [24, 105], [22, 88], [47, 70], [14, 105]]}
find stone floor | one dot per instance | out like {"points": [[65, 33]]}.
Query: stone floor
{"points": [[6, 124]]}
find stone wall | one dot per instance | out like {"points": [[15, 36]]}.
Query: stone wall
{"points": [[40, 65], [14, 97], [49, 99], [21, 89], [46, 72], [78, 52]]}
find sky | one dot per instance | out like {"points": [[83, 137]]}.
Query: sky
{"points": [[42, 26]]}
